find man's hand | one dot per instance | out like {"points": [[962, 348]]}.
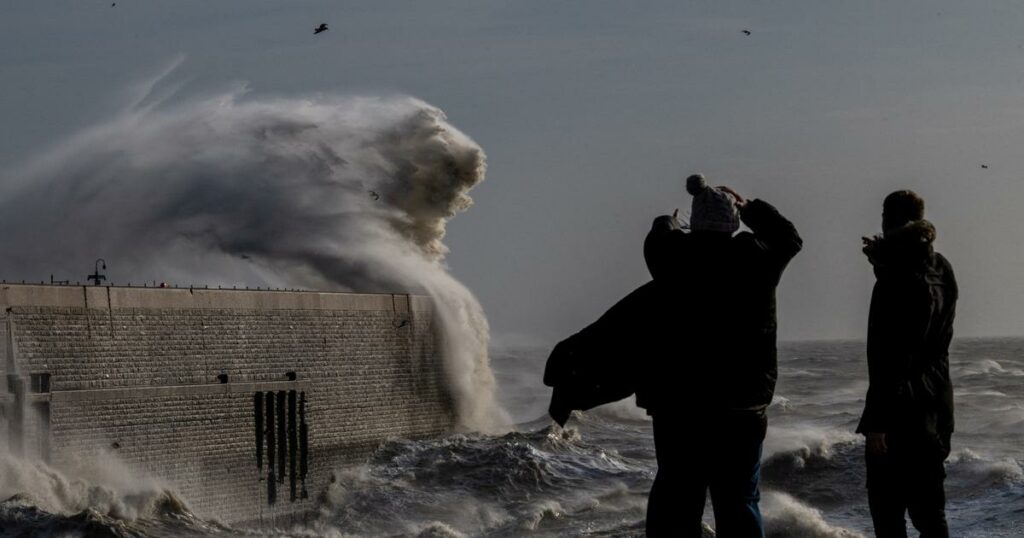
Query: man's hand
{"points": [[741, 202], [876, 444]]}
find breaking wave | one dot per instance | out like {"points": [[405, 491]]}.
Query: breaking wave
{"points": [[323, 192], [99, 497], [787, 517], [504, 485]]}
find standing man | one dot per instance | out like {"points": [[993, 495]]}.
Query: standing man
{"points": [[908, 413], [713, 370]]}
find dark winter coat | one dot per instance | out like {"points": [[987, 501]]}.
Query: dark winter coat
{"points": [[717, 344], [701, 333], [910, 327]]}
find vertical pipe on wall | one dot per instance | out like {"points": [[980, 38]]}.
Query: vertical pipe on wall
{"points": [[303, 444], [292, 443], [271, 446], [257, 400], [282, 440]]}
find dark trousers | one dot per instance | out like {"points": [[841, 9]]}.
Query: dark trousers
{"points": [[720, 453], [908, 480]]}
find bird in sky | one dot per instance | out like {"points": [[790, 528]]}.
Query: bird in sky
{"points": [[985, 166], [321, 28], [374, 195], [746, 32], [246, 257]]}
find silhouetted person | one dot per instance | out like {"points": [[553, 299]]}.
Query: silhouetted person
{"points": [[908, 413], [709, 384]]}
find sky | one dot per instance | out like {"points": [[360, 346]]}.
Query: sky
{"points": [[592, 113]]}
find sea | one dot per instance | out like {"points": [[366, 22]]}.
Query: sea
{"points": [[592, 478]]}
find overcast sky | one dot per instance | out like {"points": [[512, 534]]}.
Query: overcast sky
{"points": [[592, 112]]}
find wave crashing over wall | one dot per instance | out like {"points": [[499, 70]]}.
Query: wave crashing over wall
{"points": [[324, 192]]}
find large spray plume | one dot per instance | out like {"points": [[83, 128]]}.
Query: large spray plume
{"points": [[324, 192]]}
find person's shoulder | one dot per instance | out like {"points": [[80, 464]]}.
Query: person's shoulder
{"points": [[943, 261], [746, 241], [942, 265]]}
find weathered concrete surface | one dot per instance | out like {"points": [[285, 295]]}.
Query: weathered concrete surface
{"points": [[134, 371]]}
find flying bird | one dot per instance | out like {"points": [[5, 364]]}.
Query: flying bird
{"points": [[746, 32], [985, 166], [321, 28], [246, 257], [374, 195]]}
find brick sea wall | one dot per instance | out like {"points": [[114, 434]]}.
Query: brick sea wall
{"points": [[313, 381]]}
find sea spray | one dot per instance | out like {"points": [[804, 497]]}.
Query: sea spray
{"points": [[786, 517], [100, 484], [326, 192]]}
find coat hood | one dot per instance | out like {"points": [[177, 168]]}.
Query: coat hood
{"points": [[908, 246]]}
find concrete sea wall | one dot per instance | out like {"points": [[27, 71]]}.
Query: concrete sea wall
{"points": [[243, 401]]}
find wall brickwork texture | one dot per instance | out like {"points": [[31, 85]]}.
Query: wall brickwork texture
{"points": [[313, 381]]}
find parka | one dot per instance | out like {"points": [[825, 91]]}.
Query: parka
{"points": [[701, 333], [718, 342], [910, 327]]}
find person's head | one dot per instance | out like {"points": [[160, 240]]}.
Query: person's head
{"points": [[900, 208], [713, 210]]}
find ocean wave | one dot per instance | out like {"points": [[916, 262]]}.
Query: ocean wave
{"points": [[518, 482], [988, 367], [101, 485], [815, 464], [549, 457], [786, 517], [99, 496], [621, 410], [326, 192], [782, 403], [436, 529], [971, 474], [799, 372], [21, 517], [800, 445]]}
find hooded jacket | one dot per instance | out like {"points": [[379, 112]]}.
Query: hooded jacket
{"points": [[717, 345], [910, 327]]}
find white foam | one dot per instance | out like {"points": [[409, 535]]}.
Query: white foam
{"points": [[101, 484], [324, 192], [623, 409], [805, 442], [967, 461], [787, 517], [990, 367]]}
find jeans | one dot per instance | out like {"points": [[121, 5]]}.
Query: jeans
{"points": [[720, 453], [908, 480]]}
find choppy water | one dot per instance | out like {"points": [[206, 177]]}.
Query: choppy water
{"points": [[593, 479]]}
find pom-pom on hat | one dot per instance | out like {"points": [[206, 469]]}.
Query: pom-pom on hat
{"points": [[713, 210]]}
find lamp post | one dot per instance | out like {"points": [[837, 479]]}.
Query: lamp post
{"points": [[96, 277]]}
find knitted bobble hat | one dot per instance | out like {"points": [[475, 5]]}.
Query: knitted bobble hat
{"points": [[713, 210]]}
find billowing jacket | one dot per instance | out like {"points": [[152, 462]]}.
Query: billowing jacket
{"points": [[910, 327], [716, 345], [602, 363]]}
